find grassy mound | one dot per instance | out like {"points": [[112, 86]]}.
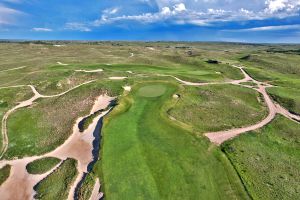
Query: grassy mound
{"points": [[218, 107], [4, 173], [268, 160], [152, 90], [42, 165], [57, 184], [147, 156]]}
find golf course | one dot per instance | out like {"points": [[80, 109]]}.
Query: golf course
{"points": [[149, 120]]}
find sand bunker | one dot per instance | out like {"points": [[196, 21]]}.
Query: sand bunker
{"points": [[60, 63], [89, 71], [118, 78]]}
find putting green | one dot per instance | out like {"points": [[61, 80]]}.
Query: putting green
{"points": [[152, 90]]}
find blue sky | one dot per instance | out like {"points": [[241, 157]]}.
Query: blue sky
{"points": [[273, 21]]}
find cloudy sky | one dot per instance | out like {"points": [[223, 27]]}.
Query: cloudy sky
{"points": [[272, 21]]}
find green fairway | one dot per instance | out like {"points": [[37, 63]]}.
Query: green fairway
{"points": [[146, 156], [42, 165], [268, 160]]}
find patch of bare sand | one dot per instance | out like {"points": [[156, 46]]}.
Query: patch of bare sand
{"points": [[118, 77], [89, 71]]}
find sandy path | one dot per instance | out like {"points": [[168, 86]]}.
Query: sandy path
{"points": [[23, 104], [78, 146], [16, 68]]}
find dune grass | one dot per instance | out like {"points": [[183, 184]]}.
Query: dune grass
{"points": [[42, 165], [57, 184], [4, 173], [268, 160], [146, 156]]}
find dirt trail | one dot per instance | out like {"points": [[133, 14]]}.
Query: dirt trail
{"points": [[16, 68], [78, 146], [23, 104]]}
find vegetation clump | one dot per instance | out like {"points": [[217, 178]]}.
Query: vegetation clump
{"points": [[42, 165], [4, 173], [57, 184]]}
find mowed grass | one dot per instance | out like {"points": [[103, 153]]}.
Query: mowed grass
{"points": [[57, 184], [268, 160], [42, 165], [146, 156], [4, 173], [49, 122], [218, 107]]}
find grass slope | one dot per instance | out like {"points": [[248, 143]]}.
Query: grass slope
{"points": [[42, 165], [146, 156], [268, 160], [57, 184]]}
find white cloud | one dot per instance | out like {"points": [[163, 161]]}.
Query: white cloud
{"points": [[75, 26], [8, 16], [42, 29], [189, 12], [269, 28], [273, 6], [179, 7], [111, 11]]}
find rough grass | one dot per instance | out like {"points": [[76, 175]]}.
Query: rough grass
{"points": [[146, 156], [42, 165], [4, 173], [57, 184], [218, 107], [268, 160]]}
